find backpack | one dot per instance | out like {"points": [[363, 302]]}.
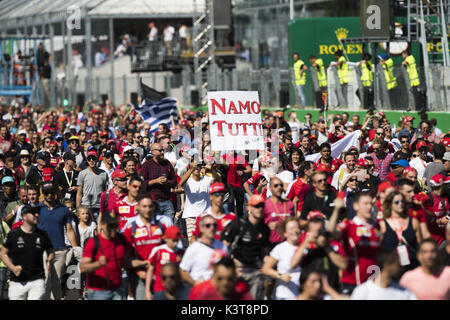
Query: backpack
{"points": [[105, 201], [234, 244]]}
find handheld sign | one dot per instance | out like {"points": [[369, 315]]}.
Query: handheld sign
{"points": [[235, 120]]}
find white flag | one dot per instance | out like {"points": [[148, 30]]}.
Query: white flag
{"points": [[338, 147]]}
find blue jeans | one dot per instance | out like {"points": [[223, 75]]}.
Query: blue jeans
{"points": [[301, 94], [3, 275], [166, 209], [116, 294]]}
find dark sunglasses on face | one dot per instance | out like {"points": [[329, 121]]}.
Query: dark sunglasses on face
{"points": [[405, 141], [123, 179], [415, 155], [320, 181], [209, 225], [352, 180], [399, 201], [218, 194], [166, 277], [277, 185], [91, 159], [159, 150], [259, 206]]}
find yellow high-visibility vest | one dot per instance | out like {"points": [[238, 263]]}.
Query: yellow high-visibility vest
{"points": [[343, 70], [391, 81], [321, 74], [300, 79], [412, 71], [367, 74]]}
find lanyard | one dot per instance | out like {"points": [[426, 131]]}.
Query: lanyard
{"points": [[398, 230], [276, 209], [67, 178]]}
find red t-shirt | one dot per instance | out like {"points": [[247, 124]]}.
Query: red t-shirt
{"points": [[222, 222], [300, 190], [278, 213], [416, 211], [144, 239], [206, 291], [391, 177], [438, 208], [113, 198], [124, 210], [161, 255], [366, 241], [236, 163], [114, 250], [54, 160]]}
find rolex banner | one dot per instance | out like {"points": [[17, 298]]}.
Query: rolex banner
{"points": [[235, 120]]}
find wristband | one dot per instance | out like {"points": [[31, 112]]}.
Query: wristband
{"points": [[278, 276]]}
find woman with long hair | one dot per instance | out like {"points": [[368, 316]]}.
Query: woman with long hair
{"points": [[400, 231], [295, 159]]}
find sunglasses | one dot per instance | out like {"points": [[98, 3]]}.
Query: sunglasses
{"points": [[108, 156], [320, 181], [352, 180], [370, 166], [415, 155], [228, 279], [209, 225], [218, 194], [397, 202], [277, 185], [259, 206], [171, 277], [91, 159], [123, 179], [159, 150], [405, 141]]}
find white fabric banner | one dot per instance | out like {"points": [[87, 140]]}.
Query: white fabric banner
{"points": [[338, 147], [235, 120]]}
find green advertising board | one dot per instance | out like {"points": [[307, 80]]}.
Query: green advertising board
{"points": [[320, 37]]}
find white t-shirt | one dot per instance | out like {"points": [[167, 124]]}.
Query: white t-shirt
{"points": [[197, 196], [153, 35], [168, 33], [181, 166], [197, 259], [294, 130], [336, 182], [171, 156], [419, 165], [86, 233], [283, 254], [369, 290]]}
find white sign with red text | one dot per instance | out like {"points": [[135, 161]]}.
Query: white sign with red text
{"points": [[235, 120]]}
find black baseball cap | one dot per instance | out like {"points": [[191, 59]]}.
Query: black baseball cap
{"points": [[42, 155]]}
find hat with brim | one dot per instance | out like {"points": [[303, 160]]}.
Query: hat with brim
{"points": [[7, 180]]}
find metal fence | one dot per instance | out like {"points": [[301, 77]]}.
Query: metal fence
{"points": [[274, 86]]}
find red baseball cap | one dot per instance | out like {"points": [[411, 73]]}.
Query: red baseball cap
{"points": [[217, 187], [446, 142], [362, 162], [384, 186], [92, 153], [316, 214], [103, 133], [118, 174], [53, 142], [255, 200], [185, 148], [173, 232], [110, 141], [408, 118], [408, 170], [421, 144], [437, 180]]}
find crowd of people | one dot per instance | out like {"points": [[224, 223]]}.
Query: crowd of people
{"points": [[95, 206]]}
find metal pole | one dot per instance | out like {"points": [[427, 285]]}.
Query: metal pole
{"points": [[111, 54], [69, 65], [52, 65], [88, 40], [198, 75], [444, 37], [426, 66], [376, 87], [291, 10], [124, 81]]}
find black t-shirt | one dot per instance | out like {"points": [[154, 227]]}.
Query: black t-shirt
{"points": [[317, 259], [26, 250], [313, 202], [402, 155], [253, 238], [61, 181], [34, 176]]}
